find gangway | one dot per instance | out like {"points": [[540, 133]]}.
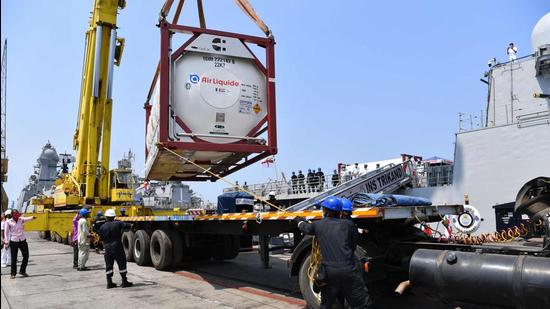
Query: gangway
{"points": [[385, 179]]}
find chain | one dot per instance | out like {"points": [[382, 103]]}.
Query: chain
{"points": [[505, 235]]}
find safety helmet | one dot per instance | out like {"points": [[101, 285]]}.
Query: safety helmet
{"points": [[272, 193], [84, 212], [99, 213], [110, 213], [122, 209], [332, 203], [347, 205], [8, 212]]}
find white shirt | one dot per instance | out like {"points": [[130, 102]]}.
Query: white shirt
{"points": [[512, 51], [13, 230], [83, 231]]}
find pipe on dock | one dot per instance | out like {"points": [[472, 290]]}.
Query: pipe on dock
{"points": [[505, 281]]}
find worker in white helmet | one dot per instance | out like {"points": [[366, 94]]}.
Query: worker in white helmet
{"points": [[111, 235], [6, 252]]}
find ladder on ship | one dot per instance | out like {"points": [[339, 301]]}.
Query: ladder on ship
{"points": [[386, 179]]}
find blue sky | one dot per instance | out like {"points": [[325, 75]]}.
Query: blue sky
{"points": [[358, 82]]}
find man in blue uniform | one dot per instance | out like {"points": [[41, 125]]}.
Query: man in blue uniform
{"points": [[347, 208], [111, 234], [337, 240]]}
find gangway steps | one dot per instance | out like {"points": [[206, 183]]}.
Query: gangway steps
{"points": [[385, 179]]}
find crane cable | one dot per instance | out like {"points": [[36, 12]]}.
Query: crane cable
{"points": [[221, 178], [249, 10]]}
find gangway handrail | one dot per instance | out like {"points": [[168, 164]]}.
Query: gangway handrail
{"points": [[352, 186]]}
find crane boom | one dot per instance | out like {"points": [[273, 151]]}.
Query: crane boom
{"points": [[90, 177]]}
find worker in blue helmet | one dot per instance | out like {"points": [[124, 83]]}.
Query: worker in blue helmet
{"points": [[123, 212], [347, 208], [83, 239], [337, 240]]}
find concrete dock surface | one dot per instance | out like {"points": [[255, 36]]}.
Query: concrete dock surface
{"points": [[239, 283]]}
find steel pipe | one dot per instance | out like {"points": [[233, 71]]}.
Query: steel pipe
{"points": [[97, 59], [504, 281]]}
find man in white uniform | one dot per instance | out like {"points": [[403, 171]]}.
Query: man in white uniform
{"points": [[83, 239], [512, 52]]}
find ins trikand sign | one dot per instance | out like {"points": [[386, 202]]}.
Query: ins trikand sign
{"points": [[385, 180]]}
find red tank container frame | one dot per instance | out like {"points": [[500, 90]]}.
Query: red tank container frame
{"points": [[243, 152]]}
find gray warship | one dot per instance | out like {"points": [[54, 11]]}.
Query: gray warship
{"points": [[495, 162]]}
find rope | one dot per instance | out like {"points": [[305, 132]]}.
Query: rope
{"points": [[221, 178], [249, 10], [202, 21], [315, 261]]}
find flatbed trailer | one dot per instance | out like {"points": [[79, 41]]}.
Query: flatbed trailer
{"points": [[170, 240]]}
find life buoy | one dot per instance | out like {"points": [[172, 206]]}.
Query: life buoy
{"points": [[468, 221]]}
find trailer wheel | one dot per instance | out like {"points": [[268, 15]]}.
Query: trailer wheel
{"points": [[141, 254], [42, 235], [177, 247], [227, 247], [161, 250], [47, 235], [312, 299], [128, 245]]}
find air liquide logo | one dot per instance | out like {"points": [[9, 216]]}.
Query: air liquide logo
{"points": [[194, 78], [217, 44], [220, 82]]}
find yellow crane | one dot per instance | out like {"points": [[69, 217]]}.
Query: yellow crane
{"points": [[91, 182]]}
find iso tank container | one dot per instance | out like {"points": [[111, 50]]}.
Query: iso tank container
{"points": [[213, 103]]}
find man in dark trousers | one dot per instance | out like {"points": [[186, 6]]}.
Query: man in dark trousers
{"points": [[337, 240], [14, 238], [335, 179], [321, 178], [294, 183], [111, 234], [309, 178], [301, 179]]}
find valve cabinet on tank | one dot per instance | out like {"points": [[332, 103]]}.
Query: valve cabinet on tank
{"points": [[213, 103]]}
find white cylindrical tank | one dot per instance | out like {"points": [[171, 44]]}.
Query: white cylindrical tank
{"points": [[541, 33], [217, 94]]}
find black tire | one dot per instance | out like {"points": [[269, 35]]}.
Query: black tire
{"points": [[227, 247], [161, 250], [141, 253], [313, 301], [177, 247], [128, 245], [47, 235], [42, 235]]}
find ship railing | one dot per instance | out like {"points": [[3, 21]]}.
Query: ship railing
{"points": [[289, 188], [533, 119], [434, 176]]}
